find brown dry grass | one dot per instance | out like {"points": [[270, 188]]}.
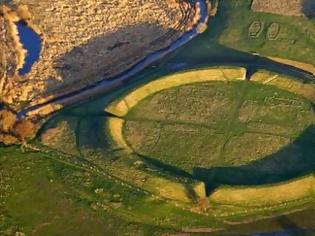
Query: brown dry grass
{"points": [[7, 120], [281, 7], [108, 37], [25, 129]]}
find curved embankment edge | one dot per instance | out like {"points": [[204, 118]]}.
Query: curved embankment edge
{"points": [[302, 65], [122, 107], [205, 10], [166, 188], [273, 194], [296, 86], [263, 197]]}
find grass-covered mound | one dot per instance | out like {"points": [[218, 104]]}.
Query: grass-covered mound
{"points": [[217, 124], [203, 141], [211, 126]]}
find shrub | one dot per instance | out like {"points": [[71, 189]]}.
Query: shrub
{"points": [[25, 129], [7, 120]]}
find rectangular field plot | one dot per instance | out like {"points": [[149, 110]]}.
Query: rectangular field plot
{"points": [[179, 145], [294, 117], [142, 136], [280, 7], [204, 103], [189, 147], [249, 147]]}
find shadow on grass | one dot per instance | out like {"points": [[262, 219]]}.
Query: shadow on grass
{"points": [[107, 57], [172, 170], [308, 8], [294, 160], [89, 139], [197, 54], [292, 228]]}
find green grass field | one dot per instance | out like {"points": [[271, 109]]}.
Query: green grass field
{"points": [[295, 39], [217, 124], [44, 197], [218, 132], [228, 132], [43, 194], [244, 140]]}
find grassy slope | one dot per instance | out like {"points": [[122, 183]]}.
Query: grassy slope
{"points": [[49, 197], [27, 207], [46, 198], [295, 41], [68, 189]]}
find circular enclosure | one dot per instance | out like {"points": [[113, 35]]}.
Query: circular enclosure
{"points": [[203, 134], [216, 124], [219, 130]]}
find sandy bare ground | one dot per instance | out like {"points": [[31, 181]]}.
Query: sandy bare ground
{"points": [[286, 7]]}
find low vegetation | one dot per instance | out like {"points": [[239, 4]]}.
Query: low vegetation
{"points": [[233, 132], [107, 37], [268, 195], [293, 37], [214, 124], [192, 152], [171, 160], [14, 131]]}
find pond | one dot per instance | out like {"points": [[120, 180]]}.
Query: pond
{"points": [[31, 42]]}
